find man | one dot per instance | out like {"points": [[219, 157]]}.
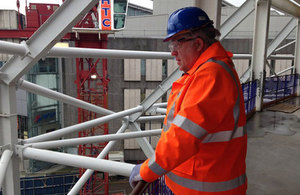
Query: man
{"points": [[203, 144]]}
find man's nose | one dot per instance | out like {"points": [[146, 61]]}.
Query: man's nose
{"points": [[174, 52]]}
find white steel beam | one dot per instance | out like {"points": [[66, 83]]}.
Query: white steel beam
{"points": [[284, 46], [161, 110], [39, 90], [9, 137], [287, 7], [283, 71], [259, 50], [163, 104], [102, 165], [282, 36], [237, 17], [4, 162], [93, 139], [59, 23], [89, 172], [12, 48], [106, 53], [81, 126], [271, 68], [297, 55], [110, 53], [71, 52], [150, 118]]}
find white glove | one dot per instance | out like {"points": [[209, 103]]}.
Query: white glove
{"points": [[135, 176]]}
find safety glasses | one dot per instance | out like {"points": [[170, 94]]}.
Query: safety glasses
{"points": [[177, 44]]}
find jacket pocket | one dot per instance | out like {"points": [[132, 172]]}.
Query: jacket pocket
{"points": [[186, 167]]}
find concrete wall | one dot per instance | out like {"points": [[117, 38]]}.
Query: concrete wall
{"points": [[117, 84]]}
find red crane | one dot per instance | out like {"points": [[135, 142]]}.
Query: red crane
{"points": [[91, 79]]}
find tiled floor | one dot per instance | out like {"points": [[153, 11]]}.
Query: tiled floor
{"points": [[273, 158]]}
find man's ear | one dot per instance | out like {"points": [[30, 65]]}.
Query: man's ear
{"points": [[200, 44]]}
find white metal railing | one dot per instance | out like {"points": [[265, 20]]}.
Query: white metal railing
{"points": [[35, 147], [5, 158], [39, 45]]}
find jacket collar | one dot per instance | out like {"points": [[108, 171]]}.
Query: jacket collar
{"points": [[215, 50]]}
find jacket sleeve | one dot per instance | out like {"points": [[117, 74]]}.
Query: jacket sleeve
{"points": [[207, 98]]}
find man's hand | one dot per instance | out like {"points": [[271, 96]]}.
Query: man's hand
{"points": [[135, 175]]}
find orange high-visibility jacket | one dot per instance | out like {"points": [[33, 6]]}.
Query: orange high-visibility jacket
{"points": [[203, 144]]}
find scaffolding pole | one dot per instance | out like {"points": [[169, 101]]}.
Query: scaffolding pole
{"points": [[71, 52], [39, 90], [9, 137], [72, 160], [150, 118], [89, 172], [113, 54], [93, 139], [4, 162], [81, 126]]}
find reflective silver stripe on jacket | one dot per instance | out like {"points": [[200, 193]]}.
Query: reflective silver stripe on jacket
{"points": [[236, 108], [189, 126], [224, 136], [170, 116], [208, 186], [156, 168]]}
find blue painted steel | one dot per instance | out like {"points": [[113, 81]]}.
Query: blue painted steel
{"points": [[52, 184], [249, 91], [279, 87], [158, 187]]}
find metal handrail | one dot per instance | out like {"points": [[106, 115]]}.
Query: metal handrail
{"points": [[140, 188]]}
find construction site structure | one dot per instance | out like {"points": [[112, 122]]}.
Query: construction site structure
{"points": [[91, 79]]}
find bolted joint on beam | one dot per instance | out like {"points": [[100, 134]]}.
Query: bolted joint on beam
{"points": [[18, 149], [28, 53]]}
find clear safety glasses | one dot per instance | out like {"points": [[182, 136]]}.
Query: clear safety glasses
{"points": [[177, 44]]}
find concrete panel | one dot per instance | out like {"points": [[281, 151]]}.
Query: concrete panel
{"points": [[132, 98], [281, 65], [153, 70], [241, 66], [8, 19], [132, 69], [172, 66]]}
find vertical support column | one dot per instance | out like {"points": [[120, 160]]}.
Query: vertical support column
{"points": [[9, 137], [213, 10], [297, 56], [261, 28]]}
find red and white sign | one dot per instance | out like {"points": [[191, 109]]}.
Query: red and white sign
{"points": [[105, 20]]}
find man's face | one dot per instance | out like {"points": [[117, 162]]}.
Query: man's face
{"points": [[186, 52]]}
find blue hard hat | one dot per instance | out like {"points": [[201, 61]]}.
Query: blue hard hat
{"points": [[186, 19]]}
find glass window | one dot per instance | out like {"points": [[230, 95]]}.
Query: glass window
{"points": [[143, 67], [120, 6], [1, 64], [119, 21]]}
